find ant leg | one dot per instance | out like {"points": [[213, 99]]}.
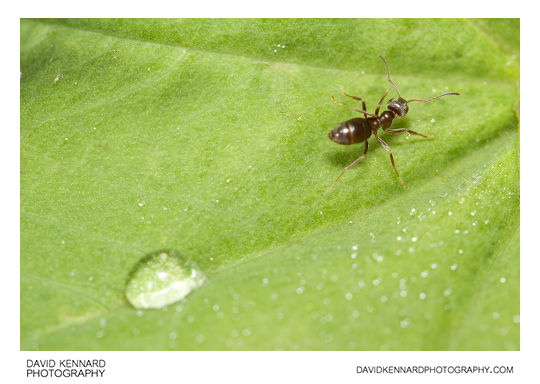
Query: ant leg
{"points": [[380, 103], [397, 130], [356, 98], [385, 146], [349, 167], [354, 109]]}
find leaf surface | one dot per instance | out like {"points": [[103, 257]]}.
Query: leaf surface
{"points": [[207, 137]]}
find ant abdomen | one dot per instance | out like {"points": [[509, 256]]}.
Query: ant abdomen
{"points": [[351, 131]]}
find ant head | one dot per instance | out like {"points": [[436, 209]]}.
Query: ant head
{"points": [[399, 106]]}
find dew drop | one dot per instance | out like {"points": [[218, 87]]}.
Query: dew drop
{"points": [[162, 278], [422, 295], [140, 203], [502, 280]]}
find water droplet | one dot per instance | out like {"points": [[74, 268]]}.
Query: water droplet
{"points": [[404, 323], [502, 280], [398, 238], [215, 308], [403, 293], [172, 335], [228, 180], [199, 339], [433, 265], [447, 292], [453, 267], [449, 213], [353, 255], [424, 274], [265, 281], [140, 203], [516, 319], [414, 238], [300, 290], [376, 282], [384, 299], [162, 278], [354, 247], [412, 211], [348, 296], [422, 295], [495, 315], [460, 251], [432, 120]]}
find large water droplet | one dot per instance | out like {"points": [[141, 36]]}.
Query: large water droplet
{"points": [[162, 278]]}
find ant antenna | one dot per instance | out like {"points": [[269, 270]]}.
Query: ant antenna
{"points": [[433, 98], [388, 74]]}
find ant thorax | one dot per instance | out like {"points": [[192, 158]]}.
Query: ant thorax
{"points": [[386, 119]]}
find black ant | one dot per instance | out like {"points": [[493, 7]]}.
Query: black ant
{"points": [[359, 129]]}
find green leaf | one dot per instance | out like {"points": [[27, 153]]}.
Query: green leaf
{"points": [[207, 137]]}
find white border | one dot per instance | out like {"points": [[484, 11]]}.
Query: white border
{"points": [[266, 367]]}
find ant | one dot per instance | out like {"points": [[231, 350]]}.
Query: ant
{"points": [[359, 129]]}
